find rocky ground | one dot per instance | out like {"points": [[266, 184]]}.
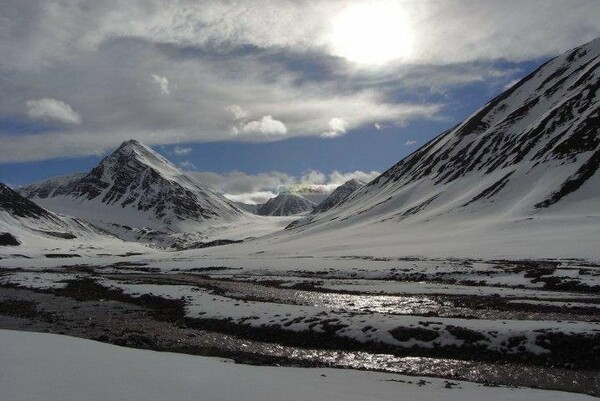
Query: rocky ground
{"points": [[527, 323]]}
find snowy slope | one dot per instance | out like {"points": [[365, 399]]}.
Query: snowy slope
{"points": [[248, 207], [52, 367], [285, 205], [517, 178], [136, 194], [32, 224], [338, 195]]}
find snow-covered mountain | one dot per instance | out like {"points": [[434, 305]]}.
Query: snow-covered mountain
{"points": [[137, 194], [285, 205], [533, 149], [518, 177], [27, 222], [338, 195]]}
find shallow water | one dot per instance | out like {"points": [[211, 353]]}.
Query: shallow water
{"points": [[136, 326]]}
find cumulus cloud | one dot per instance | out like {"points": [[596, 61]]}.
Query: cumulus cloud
{"points": [[313, 177], [180, 151], [337, 127], [410, 142], [52, 110], [163, 84], [267, 126], [258, 188]]}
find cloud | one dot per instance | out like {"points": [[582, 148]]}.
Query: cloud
{"points": [[313, 177], [476, 29], [267, 126], [188, 165], [337, 127], [180, 151], [253, 198], [163, 84], [275, 59], [238, 112], [236, 182], [338, 178], [258, 188], [410, 142], [52, 110]]}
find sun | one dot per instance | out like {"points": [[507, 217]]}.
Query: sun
{"points": [[372, 33]]}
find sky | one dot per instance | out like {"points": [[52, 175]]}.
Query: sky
{"points": [[250, 96]]}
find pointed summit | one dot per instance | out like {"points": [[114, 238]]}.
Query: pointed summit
{"points": [[133, 152], [133, 146], [338, 195], [135, 188], [285, 205]]}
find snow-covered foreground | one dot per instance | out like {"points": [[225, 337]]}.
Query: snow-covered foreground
{"points": [[50, 367]]}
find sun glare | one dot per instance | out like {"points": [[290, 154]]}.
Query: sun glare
{"points": [[372, 32]]}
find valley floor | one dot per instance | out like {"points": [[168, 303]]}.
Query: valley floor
{"points": [[493, 322]]}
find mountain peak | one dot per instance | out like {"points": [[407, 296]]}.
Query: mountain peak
{"points": [[135, 187], [133, 145], [134, 157], [131, 142], [285, 204], [338, 195]]}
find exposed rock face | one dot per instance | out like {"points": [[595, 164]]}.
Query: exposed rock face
{"points": [[338, 195], [285, 205], [18, 206], [7, 239]]}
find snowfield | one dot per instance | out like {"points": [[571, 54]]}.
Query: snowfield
{"points": [[58, 368]]}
